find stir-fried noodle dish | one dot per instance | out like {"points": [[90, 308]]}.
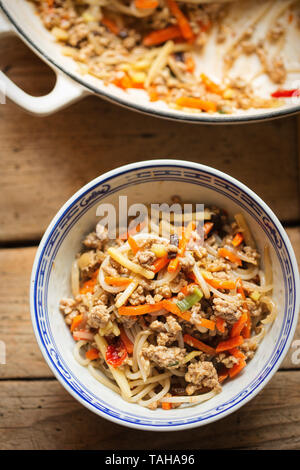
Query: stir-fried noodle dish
{"points": [[165, 321], [187, 53]]}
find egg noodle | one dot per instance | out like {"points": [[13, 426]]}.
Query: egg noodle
{"points": [[164, 321], [186, 53]]}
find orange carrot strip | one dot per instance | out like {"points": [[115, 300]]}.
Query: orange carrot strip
{"points": [[210, 85], [240, 289], [133, 245], [223, 374], [173, 265], [162, 35], [133, 230], [207, 227], [111, 25], [159, 264], [237, 353], [239, 325], [195, 343], [190, 64], [229, 344], [89, 285], [92, 354], [127, 343], [219, 283], [140, 309], [220, 324], [237, 240], [185, 290], [145, 4], [166, 406], [209, 324], [236, 369], [227, 254], [183, 22], [186, 235], [246, 331], [172, 307], [76, 322], [117, 281], [197, 103]]}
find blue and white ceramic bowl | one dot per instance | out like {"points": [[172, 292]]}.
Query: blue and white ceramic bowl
{"points": [[146, 182]]}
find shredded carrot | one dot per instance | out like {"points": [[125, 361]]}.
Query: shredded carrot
{"points": [[145, 4], [183, 22], [210, 85], [229, 344], [162, 35], [186, 235], [195, 343], [246, 331], [117, 281], [173, 265], [127, 82], [227, 254], [133, 230], [237, 240], [140, 309], [172, 307], [209, 324], [223, 374], [127, 343], [89, 285], [236, 369], [237, 353], [185, 290], [133, 245], [166, 406], [219, 283], [207, 227], [110, 24], [153, 95], [76, 322], [240, 289], [197, 103], [239, 325], [220, 324], [159, 264], [92, 354], [190, 64]]}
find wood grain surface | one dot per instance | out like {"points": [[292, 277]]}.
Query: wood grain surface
{"points": [[42, 163]]}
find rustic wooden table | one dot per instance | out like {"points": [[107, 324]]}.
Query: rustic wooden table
{"points": [[42, 163]]}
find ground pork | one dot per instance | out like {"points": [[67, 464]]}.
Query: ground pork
{"points": [[168, 331], [92, 241], [98, 317], [145, 258], [201, 375], [228, 361], [170, 358], [164, 291], [229, 312]]}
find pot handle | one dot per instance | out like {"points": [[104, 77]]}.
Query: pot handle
{"points": [[65, 90]]}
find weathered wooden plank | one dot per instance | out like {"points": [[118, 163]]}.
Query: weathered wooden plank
{"points": [[44, 161], [42, 415], [23, 356]]}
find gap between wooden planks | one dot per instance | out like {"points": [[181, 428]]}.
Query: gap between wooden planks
{"points": [[42, 415], [23, 356]]}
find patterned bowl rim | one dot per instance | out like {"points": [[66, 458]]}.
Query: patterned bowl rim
{"points": [[222, 183]]}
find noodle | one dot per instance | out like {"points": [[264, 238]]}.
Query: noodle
{"points": [[149, 48], [161, 332]]}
